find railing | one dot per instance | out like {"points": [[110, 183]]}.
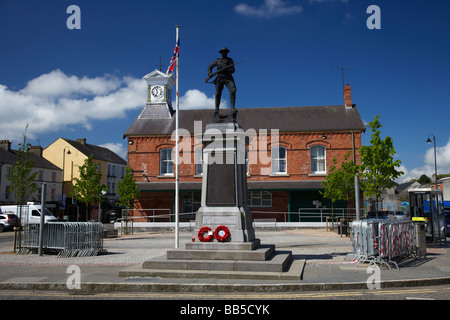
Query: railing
{"points": [[147, 215], [303, 215], [313, 215], [68, 239], [383, 241], [321, 214]]}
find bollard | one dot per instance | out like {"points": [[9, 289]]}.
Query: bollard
{"points": [[420, 237], [41, 224]]}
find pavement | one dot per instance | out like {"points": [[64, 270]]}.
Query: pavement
{"points": [[324, 253]]}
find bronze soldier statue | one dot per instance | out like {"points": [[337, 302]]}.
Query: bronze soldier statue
{"points": [[224, 70]]}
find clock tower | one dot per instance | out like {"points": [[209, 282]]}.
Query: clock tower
{"points": [[159, 100]]}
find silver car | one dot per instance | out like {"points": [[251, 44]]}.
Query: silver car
{"points": [[8, 221]]}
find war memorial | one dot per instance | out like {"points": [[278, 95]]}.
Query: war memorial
{"points": [[226, 244]]}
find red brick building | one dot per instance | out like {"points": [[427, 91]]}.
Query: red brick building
{"points": [[289, 151]]}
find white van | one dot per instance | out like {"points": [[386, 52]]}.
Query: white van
{"points": [[31, 213]]}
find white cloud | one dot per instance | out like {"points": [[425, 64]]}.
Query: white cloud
{"points": [[56, 83], [269, 9], [195, 99], [118, 148], [442, 160], [55, 100]]}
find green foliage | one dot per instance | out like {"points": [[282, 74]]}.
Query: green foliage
{"points": [[87, 188], [424, 179], [340, 182], [378, 165], [127, 189], [22, 179]]}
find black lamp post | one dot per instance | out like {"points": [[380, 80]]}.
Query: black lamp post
{"points": [[435, 165]]}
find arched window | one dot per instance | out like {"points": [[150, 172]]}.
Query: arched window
{"points": [[318, 159], [279, 160], [166, 161]]}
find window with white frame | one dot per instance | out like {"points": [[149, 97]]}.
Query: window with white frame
{"points": [[259, 198], [318, 159], [279, 160], [166, 161], [199, 161]]}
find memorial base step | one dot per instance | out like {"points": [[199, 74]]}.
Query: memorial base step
{"points": [[248, 260], [294, 273]]}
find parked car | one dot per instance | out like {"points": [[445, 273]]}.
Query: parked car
{"points": [[30, 213], [8, 221], [381, 215], [396, 215], [447, 221]]}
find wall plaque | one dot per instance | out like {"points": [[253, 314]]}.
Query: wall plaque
{"points": [[220, 190]]}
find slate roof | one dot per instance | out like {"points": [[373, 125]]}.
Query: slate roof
{"points": [[285, 119], [10, 157], [99, 153]]}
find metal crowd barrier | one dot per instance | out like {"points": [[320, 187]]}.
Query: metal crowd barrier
{"points": [[67, 239], [381, 241]]}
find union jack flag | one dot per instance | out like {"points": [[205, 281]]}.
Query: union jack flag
{"points": [[173, 61]]}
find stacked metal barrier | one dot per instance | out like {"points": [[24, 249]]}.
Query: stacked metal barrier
{"points": [[67, 239], [381, 241]]}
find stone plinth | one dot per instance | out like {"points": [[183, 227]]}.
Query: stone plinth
{"points": [[224, 185]]}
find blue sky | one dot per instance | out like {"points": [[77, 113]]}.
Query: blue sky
{"points": [[88, 83]]}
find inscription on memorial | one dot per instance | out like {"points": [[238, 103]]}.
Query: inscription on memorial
{"points": [[221, 185]]}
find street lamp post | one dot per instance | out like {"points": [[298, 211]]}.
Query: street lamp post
{"points": [[436, 186], [63, 201], [435, 165]]}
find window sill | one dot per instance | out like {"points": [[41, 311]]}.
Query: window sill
{"points": [[317, 174], [166, 176], [279, 175]]}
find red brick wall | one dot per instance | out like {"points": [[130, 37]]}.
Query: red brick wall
{"points": [[143, 158], [143, 155]]}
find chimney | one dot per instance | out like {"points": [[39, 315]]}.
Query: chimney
{"points": [[37, 150], [348, 96], [5, 145], [82, 141]]}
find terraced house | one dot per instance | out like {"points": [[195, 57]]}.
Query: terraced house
{"points": [[46, 172], [69, 155]]}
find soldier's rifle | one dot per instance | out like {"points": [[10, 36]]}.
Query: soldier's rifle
{"points": [[220, 70]]}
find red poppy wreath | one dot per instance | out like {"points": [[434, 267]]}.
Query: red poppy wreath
{"points": [[204, 234], [221, 233]]}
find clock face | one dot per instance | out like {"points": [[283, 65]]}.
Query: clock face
{"points": [[157, 92]]}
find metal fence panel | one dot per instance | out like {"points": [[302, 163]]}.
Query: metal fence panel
{"points": [[68, 239], [382, 241]]}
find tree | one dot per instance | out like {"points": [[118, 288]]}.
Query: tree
{"points": [[377, 163], [22, 179], [127, 189], [331, 185], [348, 171], [87, 188], [340, 183], [424, 179]]}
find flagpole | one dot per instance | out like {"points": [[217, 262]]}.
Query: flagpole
{"points": [[177, 217]]}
